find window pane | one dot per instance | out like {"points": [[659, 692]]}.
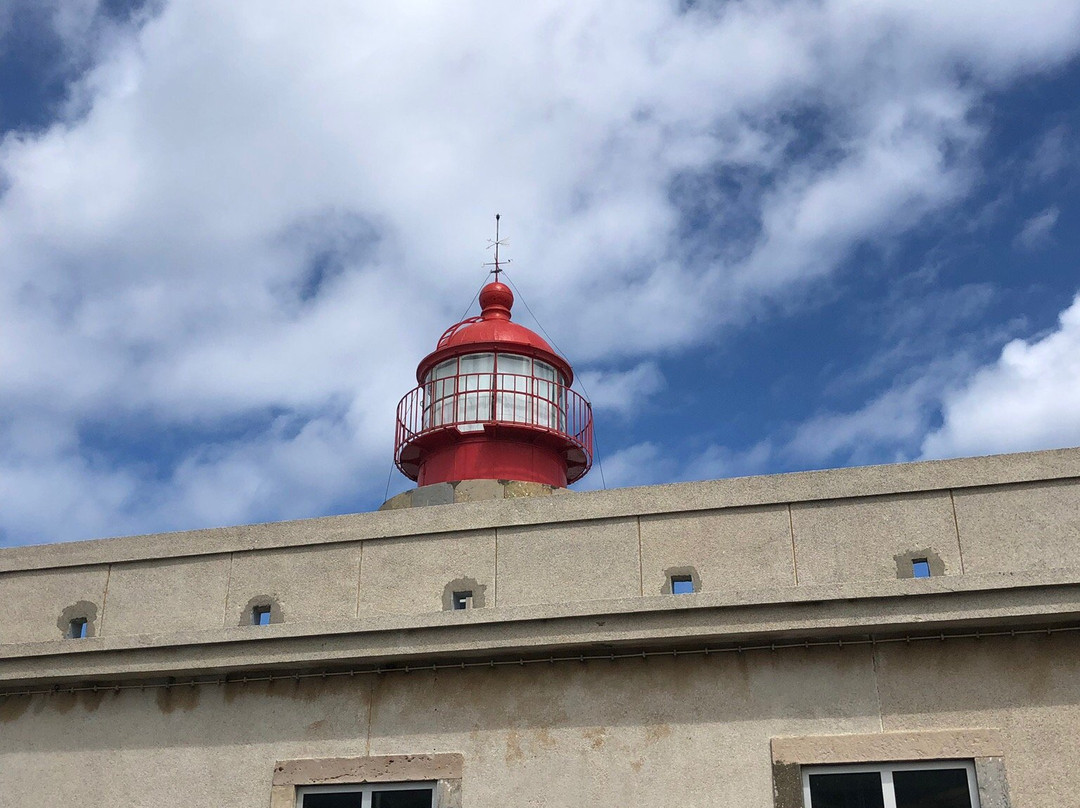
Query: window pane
{"points": [[478, 363], [544, 371], [682, 585], [932, 788], [861, 790], [408, 798], [515, 376], [338, 800], [549, 410], [512, 363], [444, 370], [473, 400]]}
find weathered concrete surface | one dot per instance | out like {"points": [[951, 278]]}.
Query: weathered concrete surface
{"points": [[35, 602], [881, 746], [937, 475], [656, 732], [785, 560], [467, 491], [173, 748], [564, 562], [409, 576], [808, 613], [858, 539], [732, 549], [1020, 527], [993, 783], [169, 595], [1028, 687], [308, 583], [694, 730], [373, 769]]}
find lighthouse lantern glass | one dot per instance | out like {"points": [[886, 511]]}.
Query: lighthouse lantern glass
{"points": [[474, 388], [515, 379], [469, 390]]}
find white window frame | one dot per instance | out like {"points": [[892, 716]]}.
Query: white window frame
{"points": [[886, 771], [364, 789]]}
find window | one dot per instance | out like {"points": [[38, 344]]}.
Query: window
{"points": [[77, 628], [920, 567], [463, 600], [385, 781], [946, 784], [377, 795], [459, 392], [260, 615], [473, 389], [682, 585]]}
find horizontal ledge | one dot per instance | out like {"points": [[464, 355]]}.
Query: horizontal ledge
{"points": [[518, 614], [501, 636], [270, 676]]}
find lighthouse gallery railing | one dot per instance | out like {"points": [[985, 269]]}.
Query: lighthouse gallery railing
{"points": [[468, 401]]}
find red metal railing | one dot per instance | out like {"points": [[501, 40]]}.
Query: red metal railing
{"points": [[467, 401], [445, 338]]}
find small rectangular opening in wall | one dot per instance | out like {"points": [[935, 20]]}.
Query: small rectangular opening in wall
{"points": [[920, 568], [260, 615], [77, 628], [463, 600], [682, 585]]}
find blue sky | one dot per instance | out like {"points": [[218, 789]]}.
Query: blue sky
{"points": [[769, 236]]}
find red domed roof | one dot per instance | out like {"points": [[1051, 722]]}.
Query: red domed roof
{"points": [[491, 331]]}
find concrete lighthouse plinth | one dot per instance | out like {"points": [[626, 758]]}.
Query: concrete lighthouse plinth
{"points": [[469, 491]]}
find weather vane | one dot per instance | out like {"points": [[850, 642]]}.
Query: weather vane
{"points": [[496, 243]]}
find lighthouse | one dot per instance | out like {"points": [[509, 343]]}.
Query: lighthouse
{"points": [[493, 401]]}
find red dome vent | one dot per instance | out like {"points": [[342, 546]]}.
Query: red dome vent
{"points": [[493, 403]]}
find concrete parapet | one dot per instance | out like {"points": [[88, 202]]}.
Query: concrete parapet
{"points": [[729, 536]]}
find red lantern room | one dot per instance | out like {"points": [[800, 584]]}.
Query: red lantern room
{"points": [[493, 403]]}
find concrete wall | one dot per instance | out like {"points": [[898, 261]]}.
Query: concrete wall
{"points": [[769, 533], [691, 731], [816, 565]]}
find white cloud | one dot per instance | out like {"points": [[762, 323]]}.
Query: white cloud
{"points": [[257, 216], [1029, 399], [643, 463], [1053, 154], [650, 463], [892, 424], [1037, 230], [622, 392]]}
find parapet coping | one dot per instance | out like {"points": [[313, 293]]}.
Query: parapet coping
{"points": [[655, 500]]}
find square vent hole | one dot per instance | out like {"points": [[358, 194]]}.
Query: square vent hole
{"points": [[260, 615], [682, 585]]}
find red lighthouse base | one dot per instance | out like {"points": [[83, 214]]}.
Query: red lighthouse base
{"points": [[496, 453]]}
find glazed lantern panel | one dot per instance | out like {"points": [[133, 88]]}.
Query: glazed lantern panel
{"points": [[474, 389]]}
